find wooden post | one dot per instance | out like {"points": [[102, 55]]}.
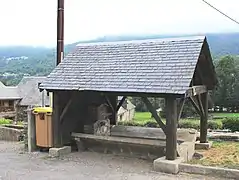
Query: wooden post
{"points": [[31, 131], [56, 125], [204, 118], [171, 128]]}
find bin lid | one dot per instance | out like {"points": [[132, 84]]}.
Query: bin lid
{"points": [[42, 110]]}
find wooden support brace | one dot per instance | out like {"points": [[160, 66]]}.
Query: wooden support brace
{"points": [[109, 103], [195, 105], [120, 103], [180, 105], [199, 100], [154, 114], [65, 110]]}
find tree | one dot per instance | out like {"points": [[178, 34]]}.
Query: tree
{"points": [[226, 93]]}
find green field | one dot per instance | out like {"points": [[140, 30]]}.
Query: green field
{"points": [[142, 117], [226, 114]]}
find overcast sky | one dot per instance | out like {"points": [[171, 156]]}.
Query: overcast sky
{"points": [[33, 22]]}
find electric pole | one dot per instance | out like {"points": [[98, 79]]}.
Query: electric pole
{"points": [[56, 124], [60, 31]]}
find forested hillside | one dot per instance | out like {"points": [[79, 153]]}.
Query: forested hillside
{"points": [[17, 61]]}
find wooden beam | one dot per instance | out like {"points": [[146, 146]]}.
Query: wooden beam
{"points": [[195, 105], [171, 128], [120, 103], [109, 103], [154, 113], [65, 109], [195, 90], [198, 97], [204, 119], [180, 105], [56, 126]]}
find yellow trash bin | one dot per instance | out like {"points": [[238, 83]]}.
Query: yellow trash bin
{"points": [[43, 116]]}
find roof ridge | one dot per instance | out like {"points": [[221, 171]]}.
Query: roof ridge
{"points": [[173, 39]]}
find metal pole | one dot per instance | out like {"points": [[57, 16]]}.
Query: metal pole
{"points": [[56, 126], [60, 31]]}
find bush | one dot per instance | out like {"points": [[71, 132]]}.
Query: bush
{"points": [[129, 123], [231, 123], [192, 124], [184, 123], [215, 124], [5, 121]]}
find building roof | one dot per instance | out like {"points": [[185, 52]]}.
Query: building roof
{"points": [[8, 92], [28, 90], [2, 85], [162, 66]]}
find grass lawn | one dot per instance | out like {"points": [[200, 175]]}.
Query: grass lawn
{"points": [[222, 154], [142, 117], [226, 114]]}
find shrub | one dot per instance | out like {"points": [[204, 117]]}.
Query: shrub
{"points": [[5, 121], [231, 123], [129, 123], [214, 124], [185, 123]]}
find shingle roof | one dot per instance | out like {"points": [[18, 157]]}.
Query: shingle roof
{"points": [[8, 92], [148, 66], [28, 90]]}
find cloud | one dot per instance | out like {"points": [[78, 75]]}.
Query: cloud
{"points": [[33, 22]]}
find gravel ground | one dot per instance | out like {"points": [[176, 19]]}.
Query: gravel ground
{"points": [[15, 164]]}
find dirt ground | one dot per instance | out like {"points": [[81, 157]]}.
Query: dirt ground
{"points": [[17, 165]]}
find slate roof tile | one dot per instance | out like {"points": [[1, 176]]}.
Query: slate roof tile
{"points": [[153, 66]]}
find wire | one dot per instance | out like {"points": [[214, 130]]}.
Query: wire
{"points": [[220, 12]]}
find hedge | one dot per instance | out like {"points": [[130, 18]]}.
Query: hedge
{"points": [[231, 123], [192, 124]]}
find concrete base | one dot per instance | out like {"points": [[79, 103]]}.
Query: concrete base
{"points": [[167, 166], [205, 146], [57, 152]]}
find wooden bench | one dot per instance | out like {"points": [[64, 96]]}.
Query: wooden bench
{"points": [[147, 143]]}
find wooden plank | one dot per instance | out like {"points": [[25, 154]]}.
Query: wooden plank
{"points": [[110, 104], [204, 119], [198, 97], [181, 103], [195, 105], [195, 90], [137, 132], [171, 127], [65, 110], [150, 133], [137, 141], [113, 118], [56, 125], [154, 113], [120, 103]]}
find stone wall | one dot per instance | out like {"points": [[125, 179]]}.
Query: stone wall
{"points": [[21, 113], [10, 134]]}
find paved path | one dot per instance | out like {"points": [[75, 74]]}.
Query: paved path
{"points": [[16, 165]]}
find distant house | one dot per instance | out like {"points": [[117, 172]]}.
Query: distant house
{"points": [[126, 111], [9, 98], [15, 100], [30, 95]]}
